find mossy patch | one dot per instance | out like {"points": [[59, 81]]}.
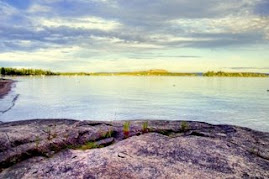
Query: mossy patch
{"points": [[86, 146], [184, 126]]}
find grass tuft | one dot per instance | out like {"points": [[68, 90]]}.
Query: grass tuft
{"points": [[107, 134], [145, 128], [126, 129]]}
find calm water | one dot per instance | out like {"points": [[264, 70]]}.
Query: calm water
{"points": [[239, 101]]}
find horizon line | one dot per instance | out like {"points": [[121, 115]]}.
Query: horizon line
{"points": [[153, 70]]}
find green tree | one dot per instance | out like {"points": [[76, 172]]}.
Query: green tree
{"points": [[3, 71]]}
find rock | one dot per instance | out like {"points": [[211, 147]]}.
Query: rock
{"points": [[5, 86], [199, 150]]}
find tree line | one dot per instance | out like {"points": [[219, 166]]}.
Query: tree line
{"points": [[25, 72], [28, 72], [233, 74]]}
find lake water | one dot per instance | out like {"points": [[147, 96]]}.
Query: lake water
{"points": [[238, 101]]}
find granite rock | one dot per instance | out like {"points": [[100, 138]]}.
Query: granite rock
{"points": [[169, 149]]}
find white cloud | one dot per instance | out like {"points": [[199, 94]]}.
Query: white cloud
{"points": [[229, 24], [241, 24], [165, 38], [82, 22], [41, 55], [123, 44], [37, 8]]}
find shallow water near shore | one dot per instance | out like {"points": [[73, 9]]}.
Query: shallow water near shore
{"points": [[237, 101]]}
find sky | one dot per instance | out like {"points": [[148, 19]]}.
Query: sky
{"points": [[131, 35]]}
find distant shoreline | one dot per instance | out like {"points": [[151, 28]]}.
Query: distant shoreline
{"points": [[153, 72]]}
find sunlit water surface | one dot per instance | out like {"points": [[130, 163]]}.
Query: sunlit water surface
{"points": [[238, 101]]}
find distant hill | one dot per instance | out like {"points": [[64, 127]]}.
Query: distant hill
{"points": [[157, 71]]}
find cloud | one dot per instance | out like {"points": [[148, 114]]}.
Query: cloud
{"points": [[77, 23], [138, 23], [248, 68], [90, 28]]}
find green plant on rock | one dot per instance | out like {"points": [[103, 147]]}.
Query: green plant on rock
{"points": [[71, 146], [184, 126], [145, 127], [107, 134], [89, 145], [126, 129], [86, 146]]}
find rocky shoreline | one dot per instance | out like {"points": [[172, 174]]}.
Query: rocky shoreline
{"points": [[5, 86], [61, 148]]}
